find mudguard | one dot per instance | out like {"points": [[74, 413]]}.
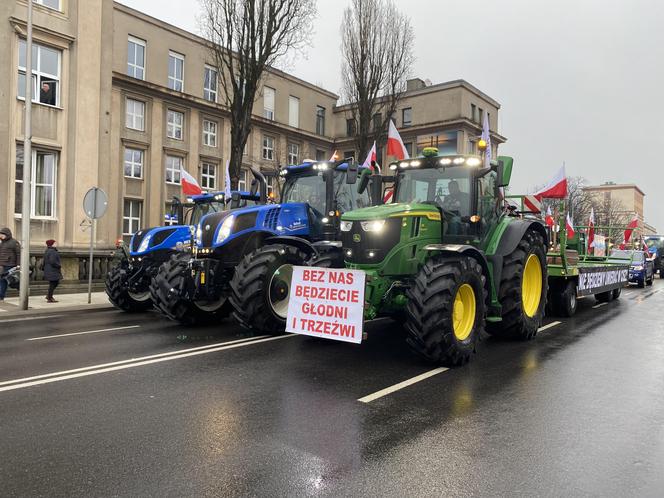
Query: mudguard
{"points": [[463, 250], [300, 243]]}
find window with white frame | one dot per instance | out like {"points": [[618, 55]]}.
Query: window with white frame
{"points": [[210, 84], [51, 4], [131, 218], [208, 176], [293, 111], [209, 133], [242, 181], [174, 124], [268, 102], [44, 183], [133, 163], [320, 120], [170, 218], [293, 154], [135, 115], [173, 169], [136, 58], [268, 148], [45, 73], [176, 71]]}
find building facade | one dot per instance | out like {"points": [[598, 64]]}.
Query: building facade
{"points": [[122, 101]]}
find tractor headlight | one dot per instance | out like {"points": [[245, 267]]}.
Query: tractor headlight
{"points": [[199, 235], [225, 229], [145, 243], [638, 268], [346, 226], [373, 225]]}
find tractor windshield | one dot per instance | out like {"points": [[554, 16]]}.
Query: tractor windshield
{"points": [[448, 188], [200, 210]]}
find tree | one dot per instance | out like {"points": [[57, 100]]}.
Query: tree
{"points": [[377, 49], [247, 37]]}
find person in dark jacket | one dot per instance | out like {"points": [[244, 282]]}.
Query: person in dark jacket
{"points": [[10, 255], [52, 269]]}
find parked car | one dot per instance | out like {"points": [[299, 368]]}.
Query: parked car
{"points": [[642, 267]]}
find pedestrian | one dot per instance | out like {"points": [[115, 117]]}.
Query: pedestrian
{"points": [[52, 269], [10, 255]]}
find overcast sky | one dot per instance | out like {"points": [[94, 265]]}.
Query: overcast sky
{"points": [[579, 81]]}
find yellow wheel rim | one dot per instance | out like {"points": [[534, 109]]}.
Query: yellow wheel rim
{"points": [[531, 286], [463, 313]]}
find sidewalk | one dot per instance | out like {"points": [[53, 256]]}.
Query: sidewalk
{"points": [[66, 302]]}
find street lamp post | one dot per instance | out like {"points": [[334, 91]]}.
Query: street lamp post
{"points": [[27, 171]]}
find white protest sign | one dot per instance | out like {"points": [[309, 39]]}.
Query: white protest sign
{"points": [[327, 303]]}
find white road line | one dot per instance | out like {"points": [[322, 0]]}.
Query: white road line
{"points": [[548, 326], [599, 305], [29, 318], [82, 333], [389, 390], [24, 383]]}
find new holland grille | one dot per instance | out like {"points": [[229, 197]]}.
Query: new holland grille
{"points": [[272, 218], [363, 247]]}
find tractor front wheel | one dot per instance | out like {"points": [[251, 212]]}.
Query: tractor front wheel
{"points": [[446, 309], [117, 289]]}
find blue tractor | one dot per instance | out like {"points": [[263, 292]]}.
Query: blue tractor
{"points": [[240, 253], [128, 282]]}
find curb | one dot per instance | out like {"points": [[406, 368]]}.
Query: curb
{"points": [[55, 311]]}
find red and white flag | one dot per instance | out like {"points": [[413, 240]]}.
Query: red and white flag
{"points": [[569, 225], [591, 230], [556, 188], [371, 156], [189, 184], [630, 227], [549, 217], [395, 146], [486, 136], [334, 156]]}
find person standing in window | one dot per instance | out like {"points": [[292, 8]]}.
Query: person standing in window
{"points": [[52, 269], [47, 95], [10, 255]]}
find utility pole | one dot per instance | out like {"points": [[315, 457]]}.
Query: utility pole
{"points": [[24, 289]]}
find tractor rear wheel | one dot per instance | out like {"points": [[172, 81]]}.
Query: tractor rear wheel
{"points": [[446, 310], [523, 289], [117, 289], [261, 286], [166, 290], [565, 302]]}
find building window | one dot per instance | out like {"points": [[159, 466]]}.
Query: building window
{"points": [[320, 120], [293, 112], [135, 115], [407, 116], [209, 176], [320, 155], [176, 71], [51, 4], [173, 169], [45, 74], [268, 148], [170, 218], [242, 181], [409, 148], [136, 58], [268, 103], [481, 115], [133, 163], [209, 133], [174, 124], [350, 128], [473, 112], [377, 121], [270, 186], [293, 154], [210, 84], [131, 219], [44, 175]]}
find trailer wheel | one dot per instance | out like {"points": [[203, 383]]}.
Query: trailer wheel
{"points": [[117, 289], [566, 301], [446, 310], [616, 293], [166, 290], [261, 285], [604, 297], [523, 290]]}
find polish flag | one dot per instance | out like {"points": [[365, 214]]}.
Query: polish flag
{"points": [[549, 217], [395, 146], [371, 156], [630, 228], [591, 230], [334, 156], [189, 184], [486, 136], [569, 224], [556, 188]]}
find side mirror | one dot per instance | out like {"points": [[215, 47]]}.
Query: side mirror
{"points": [[177, 210], [351, 173], [500, 175], [365, 177]]}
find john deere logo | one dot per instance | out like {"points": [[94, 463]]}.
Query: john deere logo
{"points": [[356, 237]]}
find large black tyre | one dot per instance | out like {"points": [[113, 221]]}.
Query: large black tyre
{"points": [[446, 310], [616, 293], [166, 288], [517, 321], [565, 301], [117, 289], [260, 287], [604, 297]]}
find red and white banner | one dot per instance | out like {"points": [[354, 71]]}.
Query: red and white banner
{"points": [[189, 184], [327, 303], [532, 204], [591, 230], [395, 146], [556, 188]]}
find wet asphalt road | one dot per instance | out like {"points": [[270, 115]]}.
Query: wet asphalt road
{"points": [[163, 410]]}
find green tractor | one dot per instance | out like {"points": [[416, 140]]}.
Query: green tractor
{"points": [[448, 257]]}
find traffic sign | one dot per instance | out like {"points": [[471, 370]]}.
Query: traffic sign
{"points": [[95, 203]]}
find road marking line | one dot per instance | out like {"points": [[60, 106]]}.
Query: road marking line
{"points": [[82, 333], [389, 390], [29, 318], [548, 326], [22, 385], [599, 305]]}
